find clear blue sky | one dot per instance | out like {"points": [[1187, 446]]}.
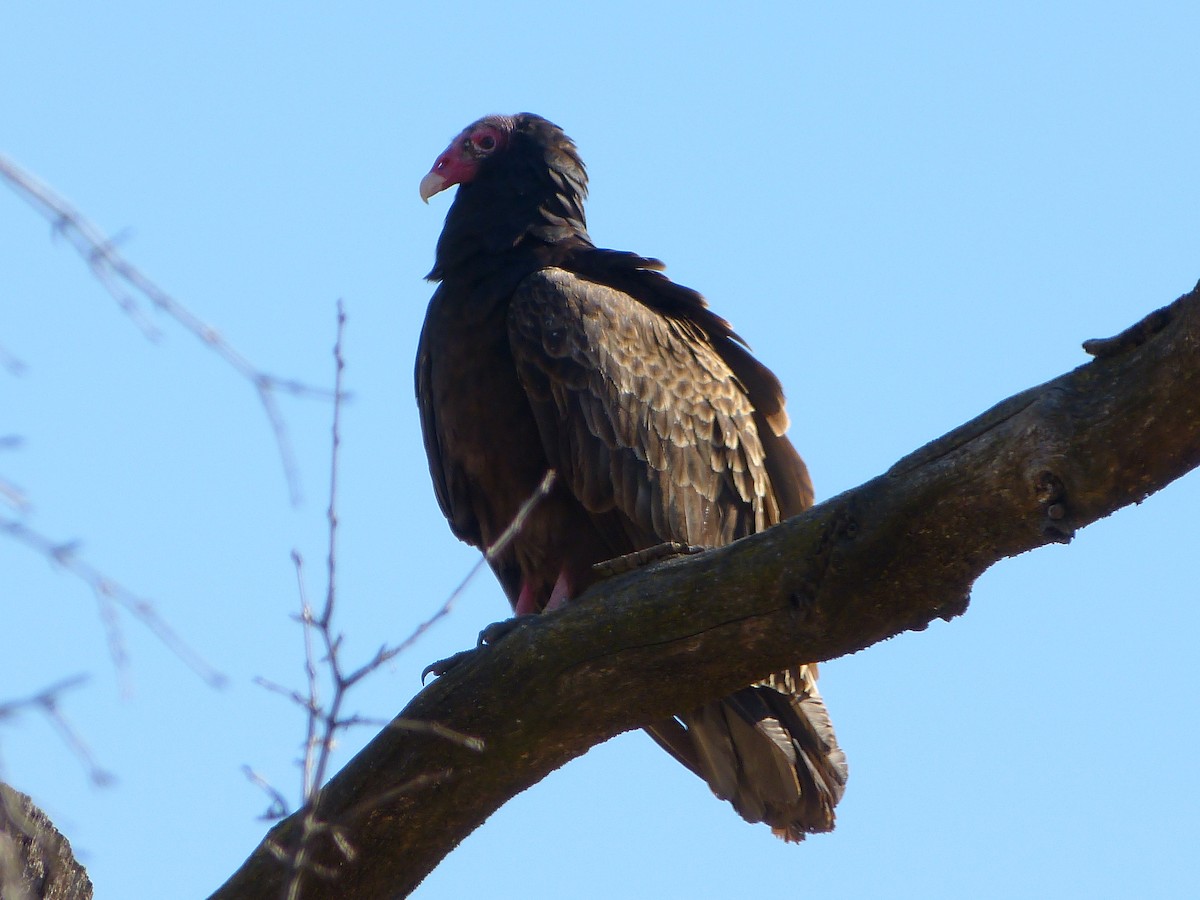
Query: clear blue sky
{"points": [[911, 211]]}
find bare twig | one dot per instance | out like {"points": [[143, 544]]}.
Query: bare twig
{"points": [[506, 537], [108, 592], [325, 719], [518, 522], [10, 493], [322, 724], [13, 496], [279, 805], [129, 287], [331, 515], [417, 726], [47, 701], [324, 624], [300, 860], [10, 363], [305, 701], [47, 696], [313, 700]]}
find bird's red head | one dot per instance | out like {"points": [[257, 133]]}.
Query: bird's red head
{"points": [[460, 162]]}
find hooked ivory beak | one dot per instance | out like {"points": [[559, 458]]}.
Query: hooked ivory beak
{"points": [[431, 184]]}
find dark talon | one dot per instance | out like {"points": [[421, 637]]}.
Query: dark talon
{"points": [[487, 638], [442, 666], [497, 630]]}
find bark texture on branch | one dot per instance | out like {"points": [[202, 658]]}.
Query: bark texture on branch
{"points": [[884, 558], [36, 862]]}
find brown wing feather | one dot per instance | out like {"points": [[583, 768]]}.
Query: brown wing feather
{"points": [[642, 414], [638, 412], [441, 469]]}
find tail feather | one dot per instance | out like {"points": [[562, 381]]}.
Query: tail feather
{"points": [[769, 749]]}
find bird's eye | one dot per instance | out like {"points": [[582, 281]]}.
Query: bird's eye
{"points": [[485, 142]]}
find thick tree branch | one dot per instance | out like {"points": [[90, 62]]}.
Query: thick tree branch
{"points": [[36, 862], [887, 557]]}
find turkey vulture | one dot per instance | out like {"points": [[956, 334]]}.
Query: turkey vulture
{"points": [[541, 351]]}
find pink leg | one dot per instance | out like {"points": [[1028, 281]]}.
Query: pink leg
{"points": [[526, 602], [561, 593]]}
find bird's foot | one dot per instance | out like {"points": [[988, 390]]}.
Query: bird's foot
{"points": [[493, 633], [639, 558], [442, 666], [488, 637]]}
